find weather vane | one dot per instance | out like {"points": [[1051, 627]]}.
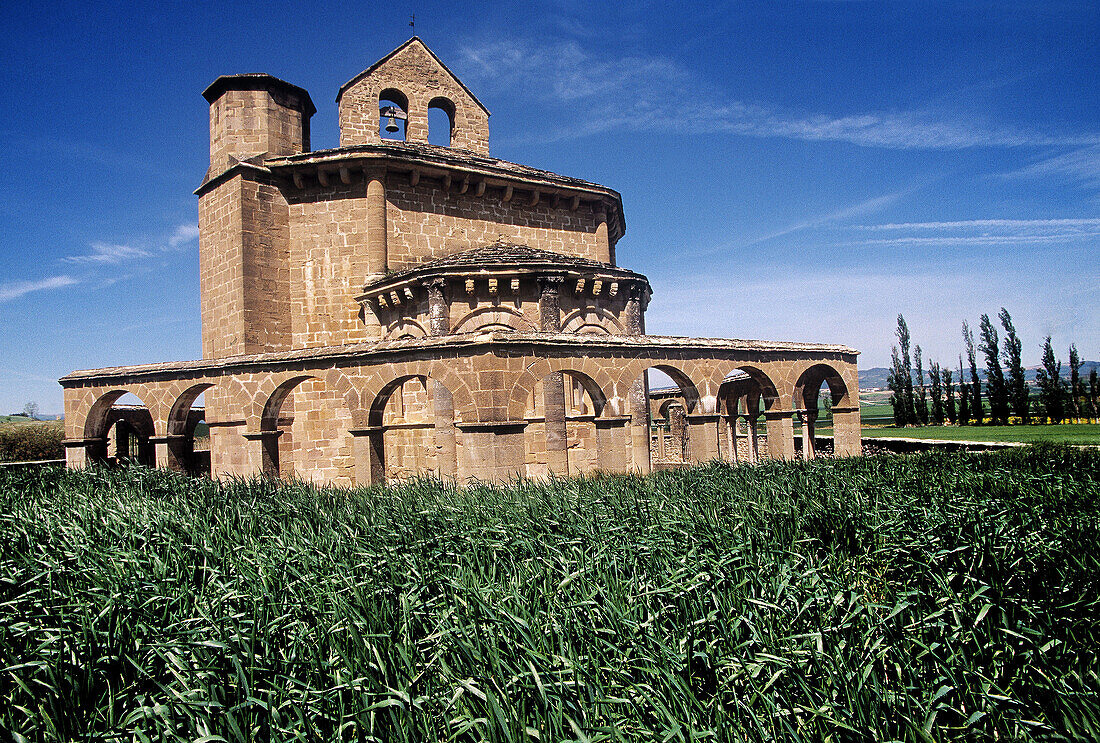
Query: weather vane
{"points": [[412, 20]]}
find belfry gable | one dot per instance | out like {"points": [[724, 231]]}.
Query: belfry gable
{"points": [[405, 84]]}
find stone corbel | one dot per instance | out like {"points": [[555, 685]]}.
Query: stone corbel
{"points": [[597, 287], [494, 287], [322, 177], [535, 196], [613, 290], [480, 191], [507, 194], [575, 203], [414, 177], [447, 184], [469, 286], [298, 182], [515, 286], [395, 298], [345, 176], [409, 293], [465, 185], [580, 287]]}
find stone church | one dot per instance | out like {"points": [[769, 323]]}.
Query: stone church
{"points": [[393, 307]]}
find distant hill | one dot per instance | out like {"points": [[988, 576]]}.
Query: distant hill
{"points": [[875, 378]]}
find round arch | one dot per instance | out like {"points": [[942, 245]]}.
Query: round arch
{"points": [[497, 317], [130, 426], [418, 435], [581, 320], [181, 431], [404, 328], [809, 384], [746, 380], [592, 377]]}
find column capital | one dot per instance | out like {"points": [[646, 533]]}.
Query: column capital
{"points": [[551, 282]]}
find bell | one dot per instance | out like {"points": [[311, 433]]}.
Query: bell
{"points": [[391, 125]]}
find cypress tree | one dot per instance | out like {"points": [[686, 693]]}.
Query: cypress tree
{"points": [[1052, 392], [1017, 383], [1094, 394], [907, 369], [996, 388], [1075, 389], [949, 394], [964, 397], [937, 393], [897, 387], [976, 412], [921, 404]]}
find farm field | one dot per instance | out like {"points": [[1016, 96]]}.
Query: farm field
{"points": [[926, 597], [1066, 433]]}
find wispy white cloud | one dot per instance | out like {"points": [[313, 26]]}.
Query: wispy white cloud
{"points": [[639, 92], [15, 289], [1081, 165], [859, 209], [985, 223], [979, 233], [109, 254], [183, 234]]}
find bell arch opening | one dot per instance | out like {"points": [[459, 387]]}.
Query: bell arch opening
{"points": [[393, 115], [441, 121]]}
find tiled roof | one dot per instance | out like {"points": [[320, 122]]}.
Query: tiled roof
{"points": [[503, 254], [439, 154]]}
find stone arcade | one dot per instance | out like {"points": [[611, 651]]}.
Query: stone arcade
{"points": [[392, 307]]}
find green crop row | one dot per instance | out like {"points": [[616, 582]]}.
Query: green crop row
{"points": [[931, 597]]}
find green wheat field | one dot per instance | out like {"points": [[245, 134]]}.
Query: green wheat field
{"points": [[913, 598]]}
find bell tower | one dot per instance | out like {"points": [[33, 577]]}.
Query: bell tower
{"points": [[406, 83]]}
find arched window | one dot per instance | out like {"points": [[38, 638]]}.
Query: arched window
{"points": [[441, 121], [393, 113]]}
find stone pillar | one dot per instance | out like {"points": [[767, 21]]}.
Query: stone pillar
{"points": [[780, 434], [611, 443], [446, 451], [809, 446], [550, 303], [634, 322], [638, 398], [377, 257], [491, 450], [603, 245], [161, 455], [263, 452], [557, 443], [754, 437], [678, 427], [846, 432], [439, 319], [732, 455], [363, 451], [77, 451], [702, 437]]}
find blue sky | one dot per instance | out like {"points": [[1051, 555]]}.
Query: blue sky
{"points": [[790, 170]]}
